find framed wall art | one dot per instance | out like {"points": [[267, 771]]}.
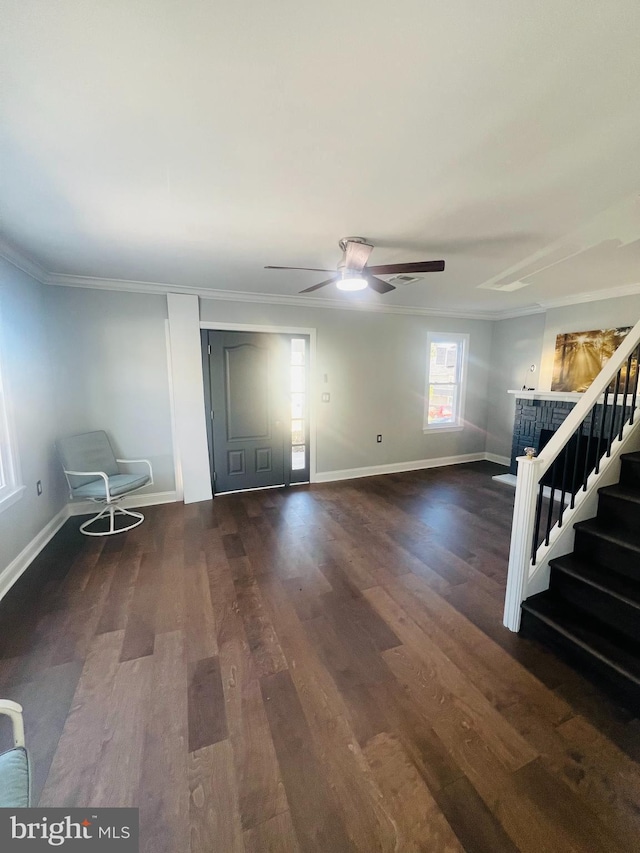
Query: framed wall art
{"points": [[580, 356]]}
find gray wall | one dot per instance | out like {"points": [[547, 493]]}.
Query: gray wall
{"points": [[27, 368], [81, 359], [111, 373], [376, 366], [85, 359], [516, 345]]}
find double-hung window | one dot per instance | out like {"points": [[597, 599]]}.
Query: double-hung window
{"points": [[10, 488], [446, 380]]}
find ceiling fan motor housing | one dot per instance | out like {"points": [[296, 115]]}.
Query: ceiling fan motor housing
{"points": [[343, 243], [355, 254]]}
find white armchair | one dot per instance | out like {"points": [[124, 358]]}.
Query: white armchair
{"points": [[93, 473], [15, 773]]}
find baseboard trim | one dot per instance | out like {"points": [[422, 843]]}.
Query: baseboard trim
{"points": [[396, 467], [499, 460], [21, 563], [151, 499]]}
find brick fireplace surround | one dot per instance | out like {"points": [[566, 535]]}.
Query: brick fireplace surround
{"points": [[537, 416]]}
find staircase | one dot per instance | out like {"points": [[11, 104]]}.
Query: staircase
{"points": [[591, 611]]}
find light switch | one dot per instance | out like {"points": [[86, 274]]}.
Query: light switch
{"points": [[325, 397]]}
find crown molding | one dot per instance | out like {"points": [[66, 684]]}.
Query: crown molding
{"points": [[129, 286], [257, 298], [22, 261], [576, 299], [514, 313], [594, 296]]}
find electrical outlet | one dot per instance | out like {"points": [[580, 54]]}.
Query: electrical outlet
{"points": [[379, 439], [39, 487]]}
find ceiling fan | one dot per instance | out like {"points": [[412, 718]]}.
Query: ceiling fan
{"points": [[353, 273]]}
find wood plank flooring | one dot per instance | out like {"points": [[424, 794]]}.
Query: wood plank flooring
{"points": [[316, 669]]}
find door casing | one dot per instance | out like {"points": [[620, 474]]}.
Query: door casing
{"points": [[284, 330]]}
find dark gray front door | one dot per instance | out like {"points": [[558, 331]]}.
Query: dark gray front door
{"points": [[248, 409]]}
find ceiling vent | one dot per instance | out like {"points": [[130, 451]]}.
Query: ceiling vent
{"points": [[504, 285], [404, 279]]}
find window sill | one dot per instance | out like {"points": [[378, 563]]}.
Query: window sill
{"points": [[443, 428], [10, 496]]}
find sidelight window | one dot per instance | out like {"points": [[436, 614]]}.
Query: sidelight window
{"points": [[298, 392]]}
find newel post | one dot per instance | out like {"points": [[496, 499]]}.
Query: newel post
{"points": [[521, 539]]}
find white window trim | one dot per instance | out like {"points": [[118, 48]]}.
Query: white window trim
{"points": [[12, 490], [10, 496], [463, 342]]}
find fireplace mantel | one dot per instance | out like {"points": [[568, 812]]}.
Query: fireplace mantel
{"points": [[561, 396]]}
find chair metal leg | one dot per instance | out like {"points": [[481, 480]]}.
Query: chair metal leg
{"points": [[111, 510]]}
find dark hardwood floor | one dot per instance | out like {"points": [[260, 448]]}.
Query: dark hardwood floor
{"points": [[317, 669]]}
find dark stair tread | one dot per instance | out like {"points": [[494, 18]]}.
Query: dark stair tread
{"points": [[609, 582], [626, 493], [631, 457], [570, 623], [592, 525]]}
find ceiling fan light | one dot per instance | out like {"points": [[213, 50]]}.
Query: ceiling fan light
{"points": [[351, 282]]}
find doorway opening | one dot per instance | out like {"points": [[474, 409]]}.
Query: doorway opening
{"points": [[256, 387]]}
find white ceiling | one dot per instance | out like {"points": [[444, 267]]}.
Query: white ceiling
{"points": [[191, 142]]}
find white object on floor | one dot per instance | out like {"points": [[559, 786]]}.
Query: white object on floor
{"points": [[511, 480]]}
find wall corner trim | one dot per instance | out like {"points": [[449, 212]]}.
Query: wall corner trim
{"points": [[499, 460]]}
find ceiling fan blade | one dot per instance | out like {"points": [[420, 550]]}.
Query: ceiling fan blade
{"points": [[311, 269], [356, 255], [317, 286], [417, 266], [378, 284]]}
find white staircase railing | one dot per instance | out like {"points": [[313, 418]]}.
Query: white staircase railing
{"points": [[553, 487]]}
